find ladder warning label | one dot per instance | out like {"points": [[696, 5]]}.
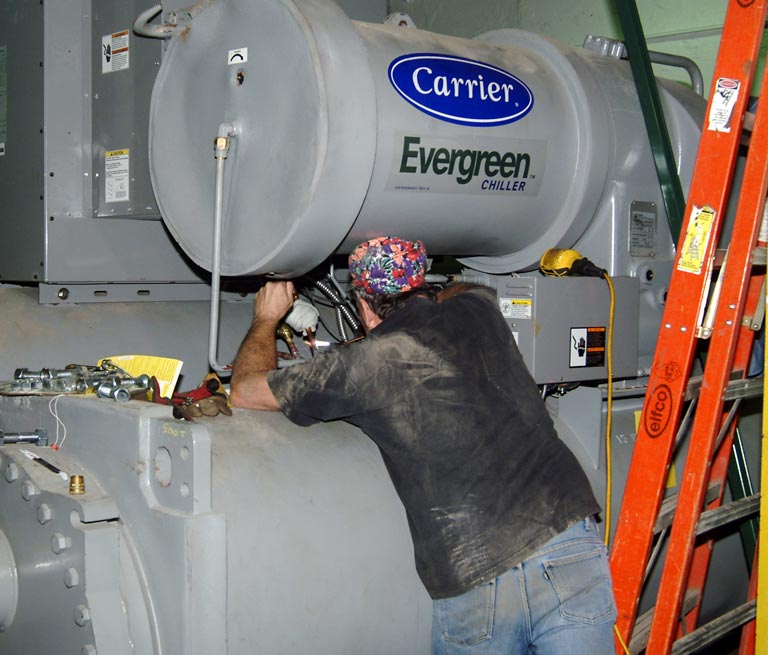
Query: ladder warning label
{"points": [[516, 307], [723, 101], [115, 52], [696, 240], [587, 347], [117, 180]]}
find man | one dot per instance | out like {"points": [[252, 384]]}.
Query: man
{"points": [[499, 510]]}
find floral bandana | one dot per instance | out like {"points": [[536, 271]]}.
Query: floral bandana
{"points": [[388, 265]]}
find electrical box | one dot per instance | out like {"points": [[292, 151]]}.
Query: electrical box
{"points": [[79, 216], [561, 326], [78, 205]]}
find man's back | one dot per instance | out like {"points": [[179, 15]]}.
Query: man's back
{"points": [[443, 391]]}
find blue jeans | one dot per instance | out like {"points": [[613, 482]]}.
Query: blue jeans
{"points": [[559, 600]]}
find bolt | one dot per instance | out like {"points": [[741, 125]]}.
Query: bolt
{"points": [[44, 513], [11, 472], [82, 615], [71, 578], [29, 490], [60, 543], [63, 293]]}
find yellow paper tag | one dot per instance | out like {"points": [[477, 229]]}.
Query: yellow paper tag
{"points": [[165, 369]]}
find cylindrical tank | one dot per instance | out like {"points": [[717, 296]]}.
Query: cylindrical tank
{"points": [[493, 149]]}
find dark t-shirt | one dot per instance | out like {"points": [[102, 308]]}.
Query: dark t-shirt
{"points": [[443, 391]]}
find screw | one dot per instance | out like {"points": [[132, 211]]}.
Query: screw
{"points": [[60, 543], [44, 513], [63, 293], [82, 615]]}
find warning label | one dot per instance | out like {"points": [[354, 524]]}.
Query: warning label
{"points": [[696, 240], [115, 52], [516, 307], [722, 105], [587, 347], [117, 180]]}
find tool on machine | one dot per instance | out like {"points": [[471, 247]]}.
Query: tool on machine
{"points": [[107, 380], [37, 438], [43, 462]]}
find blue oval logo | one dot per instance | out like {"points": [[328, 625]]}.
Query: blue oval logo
{"points": [[459, 90]]}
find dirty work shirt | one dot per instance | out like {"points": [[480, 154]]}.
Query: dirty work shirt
{"points": [[443, 391]]}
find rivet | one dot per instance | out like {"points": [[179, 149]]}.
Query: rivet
{"points": [[60, 543], [44, 513]]}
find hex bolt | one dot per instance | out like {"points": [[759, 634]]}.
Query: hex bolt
{"points": [[60, 543], [88, 649], [71, 578], [11, 472], [44, 513], [82, 615], [29, 490]]}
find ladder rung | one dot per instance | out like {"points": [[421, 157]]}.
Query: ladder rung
{"points": [[730, 513], [668, 505], [643, 624], [737, 388], [715, 629], [758, 256]]}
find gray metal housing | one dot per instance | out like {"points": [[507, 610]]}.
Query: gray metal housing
{"points": [[232, 535]]}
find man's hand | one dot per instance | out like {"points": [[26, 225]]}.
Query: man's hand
{"points": [[273, 301], [257, 354]]}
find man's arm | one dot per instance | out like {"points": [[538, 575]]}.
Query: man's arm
{"points": [[257, 354]]}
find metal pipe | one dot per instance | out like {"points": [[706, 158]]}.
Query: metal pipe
{"points": [[688, 65], [142, 27], [221, 149]]}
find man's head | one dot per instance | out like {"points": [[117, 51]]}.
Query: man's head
{"points": [[386, 272]]}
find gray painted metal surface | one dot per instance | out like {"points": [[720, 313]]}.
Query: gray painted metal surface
{"points": [[227, 535], [320, 163], [561, 325], [53, 336]]}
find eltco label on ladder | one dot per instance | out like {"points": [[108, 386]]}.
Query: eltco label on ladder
{"points": [[587, 347]]}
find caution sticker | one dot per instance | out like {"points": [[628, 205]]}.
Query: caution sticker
{"points": [[117, 180], [115, 52], [696, 240], [516, 307], [723, 102], [587, 347]]}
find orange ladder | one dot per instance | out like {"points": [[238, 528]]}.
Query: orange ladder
{"points": [[679, 334]]}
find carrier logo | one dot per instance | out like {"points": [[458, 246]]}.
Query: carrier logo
{"points": [[459, 90], [658, 410]]}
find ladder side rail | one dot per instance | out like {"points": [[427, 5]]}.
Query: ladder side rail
{"points": [[674, 355], [712, 396], [702, 553]]}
